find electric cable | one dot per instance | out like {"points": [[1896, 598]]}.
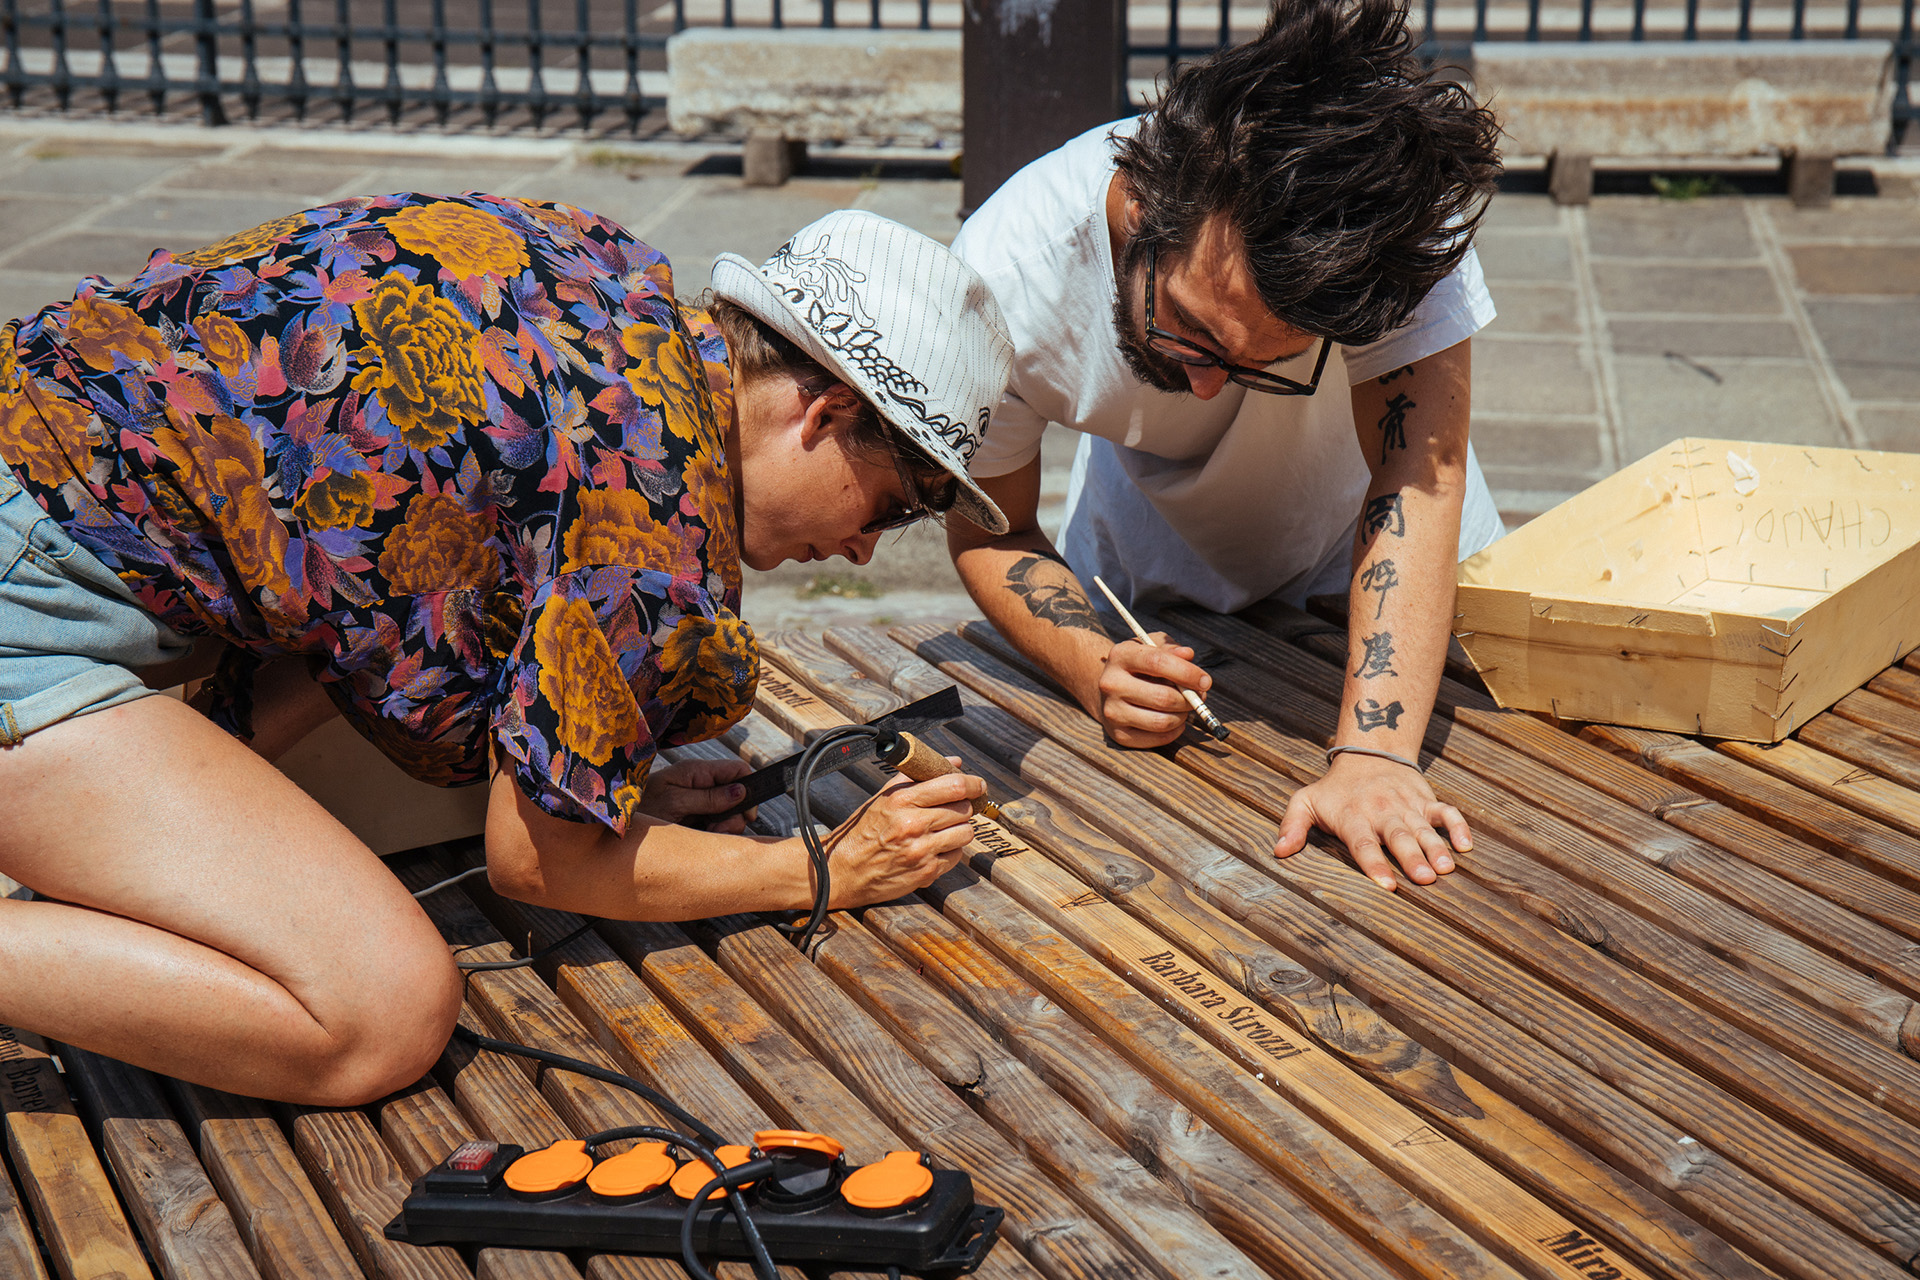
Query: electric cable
{"points": [[803, 933], [451, 881], [751, 1171], [493, 966]]}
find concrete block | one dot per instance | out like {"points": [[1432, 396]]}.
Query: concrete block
{"points": [[1810, 179], [1689, 98], [815, 85], [1570, 176]]}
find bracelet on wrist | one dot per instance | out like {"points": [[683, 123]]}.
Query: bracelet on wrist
{"points": [[1373, 751]]}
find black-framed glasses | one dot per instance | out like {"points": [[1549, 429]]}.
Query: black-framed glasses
{"points": [[1175, 347], [920, 505]]}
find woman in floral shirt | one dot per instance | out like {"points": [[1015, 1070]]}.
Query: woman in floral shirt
{"points": [[464, 470]]}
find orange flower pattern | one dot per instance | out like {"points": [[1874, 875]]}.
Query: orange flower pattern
{"points": [[467, 451]]}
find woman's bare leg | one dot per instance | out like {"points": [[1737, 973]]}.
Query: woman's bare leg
{"points": [[212, 922]]}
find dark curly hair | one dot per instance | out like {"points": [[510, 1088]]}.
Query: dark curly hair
{"points": [[1354, 176]]}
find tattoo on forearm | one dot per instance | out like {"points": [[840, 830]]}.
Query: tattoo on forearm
{"points": [[1393, 425], [1384, 512], [1370, 715], [1378, 659], [1384, 379], [1382, 577], [1052, 593]]}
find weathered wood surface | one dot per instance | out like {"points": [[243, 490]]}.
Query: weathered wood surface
{"points": [[1661, 1025]]}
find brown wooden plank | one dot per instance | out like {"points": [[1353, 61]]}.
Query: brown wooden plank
{"points": [[1780, 804], [421, 1127], [1881, 714], [1830, 879], [1900, 683], [187, 1228], [362, 1186], [274, 1204], [1330, 1174], [1660, 1152], [1841, 781], [1863, 748], [1251, 1208], [1751, 1075], [922, 1106], [19, 1251], [1453, 1100], [72, 1201]]}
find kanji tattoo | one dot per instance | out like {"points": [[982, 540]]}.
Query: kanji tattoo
{"points": [[1052, 593], [1393, 425], [1370, 715], [1380, 576], [1385, 378], [1384, 512], [1378, 659]]}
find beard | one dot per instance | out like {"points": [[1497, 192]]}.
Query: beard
{"points": [[1146, 364]]}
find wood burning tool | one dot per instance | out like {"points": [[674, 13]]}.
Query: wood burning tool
{"points": [[1201, 711], [903, 752], [790, 1197]]}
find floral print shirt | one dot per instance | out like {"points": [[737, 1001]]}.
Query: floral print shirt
{"points": [[468, 452]]}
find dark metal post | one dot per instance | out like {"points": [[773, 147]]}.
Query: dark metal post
{"points": [[206, 40], [1036, 75]]}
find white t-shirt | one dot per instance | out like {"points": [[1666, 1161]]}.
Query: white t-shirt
{"points": [[1221, 502]]}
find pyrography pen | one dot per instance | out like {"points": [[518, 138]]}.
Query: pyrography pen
{"points": [[1203, 713], [920, 762]]}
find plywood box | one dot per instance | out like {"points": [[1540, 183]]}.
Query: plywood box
{"points": [[1716, 586]]}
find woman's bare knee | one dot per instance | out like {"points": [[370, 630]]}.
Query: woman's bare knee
{"points": [[389, 1040]]}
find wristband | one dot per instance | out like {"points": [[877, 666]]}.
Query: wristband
{"points": [[1373, 751]]}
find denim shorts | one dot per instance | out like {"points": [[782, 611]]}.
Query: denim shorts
{"points": [[70, 631]]}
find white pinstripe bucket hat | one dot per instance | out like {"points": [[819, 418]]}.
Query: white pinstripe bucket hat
{"points": [[900, 319]]}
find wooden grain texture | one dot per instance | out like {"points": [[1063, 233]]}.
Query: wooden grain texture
{"points": [[1751, 1214], [421, 1127], [362, 1186], [1815, 819], [85, 1233], [1329, 1173], [274, 1204], [1830, 778], [1249, 1206], [188, 1230], [1042, 1223], [1835, 891], [1751, 1116], [1494, 1128], [1894, 717], [19, 1251], [1864, 748], [1615, 850], [1900, 683]]}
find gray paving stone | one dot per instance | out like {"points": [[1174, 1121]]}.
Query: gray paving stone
{"points": [[24, 292], [1856, 269], [1529, 309], [1511, 376], [1872, 345], [309, 180], [1706, 338], [1671, 287], [23, 216], [633, 199], [204, 218], [1662, 400], [1669, 229], [1525, 450], [1896, 428], [83, 253], [1878, 219], [91, 175], [930, 206], [1506, 212], [443, 179], [728, 217], [1524, 255]]}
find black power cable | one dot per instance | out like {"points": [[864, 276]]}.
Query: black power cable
{"points": [[803, 933]]}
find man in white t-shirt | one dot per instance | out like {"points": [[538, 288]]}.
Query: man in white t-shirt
{"points": [[1256, 304]]}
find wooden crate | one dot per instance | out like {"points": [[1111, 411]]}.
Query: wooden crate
{"points": [[1715, 587]]}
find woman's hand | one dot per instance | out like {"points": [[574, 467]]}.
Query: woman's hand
{"points": [[1378, 807], [910, 835], [693, 787]]}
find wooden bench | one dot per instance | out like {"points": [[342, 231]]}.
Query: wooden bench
{"points": [[1807, 101], [780, 90]]}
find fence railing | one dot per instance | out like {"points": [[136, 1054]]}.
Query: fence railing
{"points": [[603, 61]]}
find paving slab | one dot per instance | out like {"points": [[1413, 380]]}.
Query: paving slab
{"points": [[62, 173], [1527, 310], [24, 216], [1508, 211], [1896, 427], [200, 218], [1532, 377], [1857, 269], [1627, 227], [1706, 337], [116, 256], [1872, 345], [1871, 220], [1525, 255], [1662, 400], [1673, 287]]}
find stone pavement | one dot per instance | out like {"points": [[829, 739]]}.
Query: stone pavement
{"points": [[1623, 324]]}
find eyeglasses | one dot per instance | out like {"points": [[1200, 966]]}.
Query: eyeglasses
{"points": [[1175, 347], [919, 506]]}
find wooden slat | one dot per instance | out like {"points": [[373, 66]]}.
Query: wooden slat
{"points": [[1733, 1202], [1530, 830], [1340, 1183], [188, 1229], [362, 1186], [72, 1202], [1815, 819], [1830, 778], [1863, 748], [280, 1215], [421, 1127], [1900, 683], [19, 1252], [1487, 1123], [1881, 714]]}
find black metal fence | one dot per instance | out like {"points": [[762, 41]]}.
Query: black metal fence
{"points": [[601, 62]]}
